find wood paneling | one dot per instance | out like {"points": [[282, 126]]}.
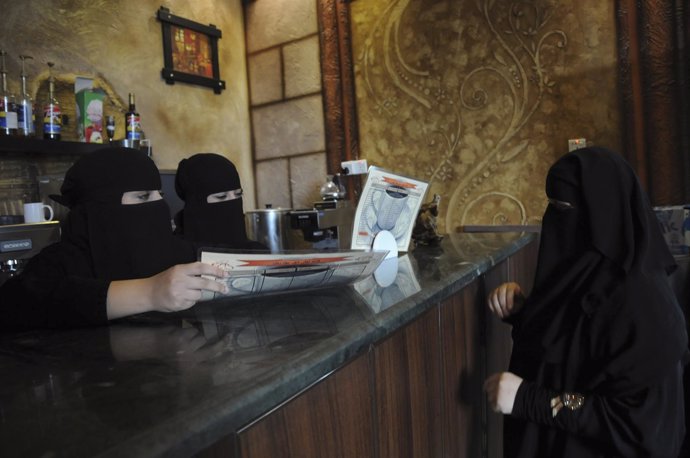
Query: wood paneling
{"points": [[417, 393], [407, 370], [331, 419], [497, 334], [654, 70], [462, 375]]}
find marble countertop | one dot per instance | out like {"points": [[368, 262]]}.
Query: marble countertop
{"points": [[173, 384]]}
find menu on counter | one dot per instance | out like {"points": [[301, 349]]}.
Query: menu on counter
{"points": [[388, 202], [253, 273]]}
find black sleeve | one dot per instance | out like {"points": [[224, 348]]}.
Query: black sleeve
{"points": [[643, 421], [56, 290]]}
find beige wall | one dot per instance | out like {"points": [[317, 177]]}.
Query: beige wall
{"points": [[480, 97], [119, 43]]}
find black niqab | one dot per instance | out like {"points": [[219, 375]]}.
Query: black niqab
{"points": [[601, 318], [606, 260], [124, 241], [203, 222]]}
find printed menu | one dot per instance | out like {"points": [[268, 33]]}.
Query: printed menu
{"points": [[252, 273], [388, 202]]}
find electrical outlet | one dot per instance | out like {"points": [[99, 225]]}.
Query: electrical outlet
{"points": [[576, 143], [354, 167]]}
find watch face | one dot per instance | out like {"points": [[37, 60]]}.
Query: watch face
{"points": [[573, 401]]}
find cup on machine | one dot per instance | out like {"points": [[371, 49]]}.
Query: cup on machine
{"points": [[35, 212]]}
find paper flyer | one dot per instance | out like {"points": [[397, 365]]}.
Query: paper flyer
{"points": [[388, 202]]}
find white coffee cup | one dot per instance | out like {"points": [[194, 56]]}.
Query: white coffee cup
{"points": [[35, 212]]}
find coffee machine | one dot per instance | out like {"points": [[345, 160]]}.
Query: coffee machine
{"points": [[327, 226], [20, 242]]}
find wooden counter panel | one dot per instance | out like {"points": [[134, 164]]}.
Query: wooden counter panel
{"points": [[331, 419], [462, 374], [417, 393], [407, 378]]}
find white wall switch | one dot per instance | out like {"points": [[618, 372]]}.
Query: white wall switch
{"points": [[354, 167], [576, 143]]}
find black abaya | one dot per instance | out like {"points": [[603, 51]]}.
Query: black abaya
{"points": [[601, 322], [66, 284]]}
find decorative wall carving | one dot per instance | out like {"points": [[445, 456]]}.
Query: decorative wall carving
{"points": [[480, 97]]}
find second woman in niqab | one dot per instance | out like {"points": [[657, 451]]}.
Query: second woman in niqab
{"points": [[213, 213], [600, 343]]}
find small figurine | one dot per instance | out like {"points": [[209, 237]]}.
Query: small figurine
{"points": [[425, 230]]}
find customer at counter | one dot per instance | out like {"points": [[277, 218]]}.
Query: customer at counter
{"points": [[117, 255], [213, 213], [600, 344]]}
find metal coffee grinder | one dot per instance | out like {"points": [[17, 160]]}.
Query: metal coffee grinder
{"points": [[327, 226]]}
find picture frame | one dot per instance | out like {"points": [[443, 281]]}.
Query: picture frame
{"points": [[190, 51]]}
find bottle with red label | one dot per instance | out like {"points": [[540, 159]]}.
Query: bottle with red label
{"points": [[8, 110], [132, 121], [52, 116]]}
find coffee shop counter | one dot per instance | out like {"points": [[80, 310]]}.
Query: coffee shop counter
{"points": [[188, 383]]}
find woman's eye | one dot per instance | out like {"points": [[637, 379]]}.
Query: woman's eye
{"points": [[221, 196], [144, 196]]}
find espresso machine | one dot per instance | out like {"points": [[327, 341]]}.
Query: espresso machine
{"points": [[327, 226], [19, 242]]}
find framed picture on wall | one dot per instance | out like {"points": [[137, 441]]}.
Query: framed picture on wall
{"points": [[190, 51]]}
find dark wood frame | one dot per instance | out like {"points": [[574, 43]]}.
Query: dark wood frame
{"points": [[337, 70], [169, 74], [654, 77]]}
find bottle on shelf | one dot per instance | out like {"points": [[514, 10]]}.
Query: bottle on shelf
{"points": [[52, 116], [132, 121], [110, 128], [8, 113], [25, 108]]}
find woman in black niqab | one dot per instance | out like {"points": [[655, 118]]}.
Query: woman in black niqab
{"points": [[117, 255], [124, 241], [213, 213], [600, 343]]}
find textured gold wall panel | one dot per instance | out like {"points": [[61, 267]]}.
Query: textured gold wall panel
{"points": [[479, 97]]}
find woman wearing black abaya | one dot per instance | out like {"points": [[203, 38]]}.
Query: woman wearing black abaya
{"points": [[117, 255], [213, 214], [600, 344]]}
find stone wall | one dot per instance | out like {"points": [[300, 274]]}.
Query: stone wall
{"points": [[286, 102]]}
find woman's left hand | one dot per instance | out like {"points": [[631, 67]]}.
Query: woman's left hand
{"points": [[501, 389]]}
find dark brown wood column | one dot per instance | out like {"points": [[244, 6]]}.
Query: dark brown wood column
{"points": [[654, 57], [338, 83]]}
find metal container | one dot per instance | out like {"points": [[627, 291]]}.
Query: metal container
{"points": [[270, 226]]}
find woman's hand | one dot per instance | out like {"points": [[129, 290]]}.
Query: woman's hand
{"points": [[501, 389], [506, 300], [174, 289], [180, 287]]}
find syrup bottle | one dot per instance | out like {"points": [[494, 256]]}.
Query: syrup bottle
{"points": [[25, 108], [8, 111], [52, 116], [132, 121]]}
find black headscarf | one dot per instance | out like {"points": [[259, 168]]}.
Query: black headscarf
{"points": [[601, 304], [200, 221], [124, 241]]}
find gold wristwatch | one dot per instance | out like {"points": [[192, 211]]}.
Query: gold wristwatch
{"points": [[571, 401]]}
